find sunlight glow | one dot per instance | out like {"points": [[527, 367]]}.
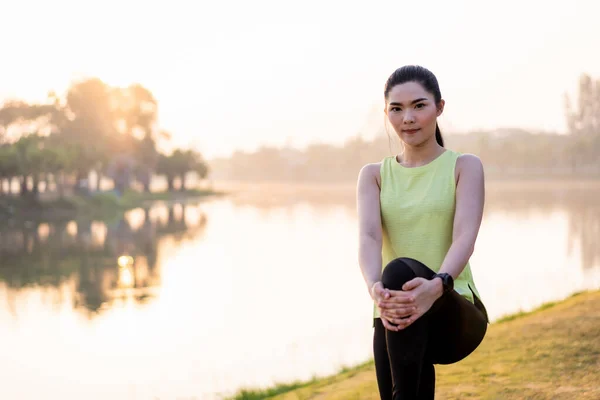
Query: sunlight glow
{"points": [[304, 74], [125, 261], [126, 277]]}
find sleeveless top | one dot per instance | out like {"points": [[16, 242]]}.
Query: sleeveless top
{"points": [[417, 215]]}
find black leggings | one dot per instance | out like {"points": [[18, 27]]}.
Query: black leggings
{"points": [[447, 333]]}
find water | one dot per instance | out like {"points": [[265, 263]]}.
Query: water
{"points": [[246, 290]]}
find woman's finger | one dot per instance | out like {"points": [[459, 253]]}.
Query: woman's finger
{"points": [[405, 312], [412, 284], [400, 294], [387, 325], [403, 298], [406, 322], [395, 302], [398, 312]]}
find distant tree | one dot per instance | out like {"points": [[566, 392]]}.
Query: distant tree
{"points": [[95, 127], [19, 118], [179, 164], [9, 166], [136, 112], [583, 122]]}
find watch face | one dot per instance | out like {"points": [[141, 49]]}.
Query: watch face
{"points": [[449, 282]]}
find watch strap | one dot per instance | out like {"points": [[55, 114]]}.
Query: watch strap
{"points": [[447, 281]]}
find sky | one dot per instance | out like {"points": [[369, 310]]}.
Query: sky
{"points": [[235, 75]]}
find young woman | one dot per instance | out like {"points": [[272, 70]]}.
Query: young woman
{"points": [[419, 216]]}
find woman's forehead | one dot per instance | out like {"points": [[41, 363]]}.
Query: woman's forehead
{"points": [[407, 92]]}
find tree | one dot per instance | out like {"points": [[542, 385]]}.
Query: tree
{"points": [[584, 122], [178, 164], [90, 125], [95, 127], [8, 166], [136, 112]]}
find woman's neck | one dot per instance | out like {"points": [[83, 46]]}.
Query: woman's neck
{"points": [[418, 156]]}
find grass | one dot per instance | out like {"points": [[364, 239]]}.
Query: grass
{"points": [[273, 391], [552, 352], [283, 388]]}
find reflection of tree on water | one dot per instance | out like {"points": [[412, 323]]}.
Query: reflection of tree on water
{"points": [[582, 204], [580, 201], [86, 252], [584, 227], [90, 293]]}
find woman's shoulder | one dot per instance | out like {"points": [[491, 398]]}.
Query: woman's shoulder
{"points": [[385, 162], [468, 165], [371, 171], [468, 160]]}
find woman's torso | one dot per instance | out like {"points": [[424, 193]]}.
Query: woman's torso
{"points": [[417, 214]]}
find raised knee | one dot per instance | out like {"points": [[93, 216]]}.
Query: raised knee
{"points": [[395, 274]]}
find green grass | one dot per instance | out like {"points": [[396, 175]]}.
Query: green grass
{"points": [[256, 394], [282, 388], [552, 352], [521, 314]]}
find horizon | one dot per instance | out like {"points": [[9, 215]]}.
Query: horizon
{"points": [[314, 75]]}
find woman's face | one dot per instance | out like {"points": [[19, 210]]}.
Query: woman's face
{"points": [[413, 113]]}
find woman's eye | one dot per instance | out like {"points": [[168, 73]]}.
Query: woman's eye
{"points": [[420, 105], [395, 109]]}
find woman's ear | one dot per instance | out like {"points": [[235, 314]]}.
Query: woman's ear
{"points": [[440, 107]]}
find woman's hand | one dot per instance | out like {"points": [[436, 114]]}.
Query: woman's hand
{"points": [[380, 294], [407, 305]]}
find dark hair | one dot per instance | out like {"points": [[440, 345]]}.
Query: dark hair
{"points": [[424, 77]]}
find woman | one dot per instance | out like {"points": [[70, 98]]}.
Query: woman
{"points": [[419, 216]]}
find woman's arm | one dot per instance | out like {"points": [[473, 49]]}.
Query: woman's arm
{"points": [[470, 197], [369, 225]]}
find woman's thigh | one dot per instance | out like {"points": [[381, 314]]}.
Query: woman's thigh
{"points": [[455, 325], [456, 328]]}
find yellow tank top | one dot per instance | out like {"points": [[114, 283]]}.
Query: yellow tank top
{"points": [[417, 215]]}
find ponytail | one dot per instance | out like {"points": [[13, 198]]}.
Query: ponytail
{"points": [[438, 135]]}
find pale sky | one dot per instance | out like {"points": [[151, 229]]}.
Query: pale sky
{"points": [[237, 74]]}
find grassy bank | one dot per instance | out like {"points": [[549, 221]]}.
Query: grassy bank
{"points": [[550, 353], [104, 204]]}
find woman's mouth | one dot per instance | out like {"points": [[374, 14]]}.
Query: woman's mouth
{"points": [[410, 131]]}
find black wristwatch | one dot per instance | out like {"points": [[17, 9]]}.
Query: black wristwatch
{"points": [[447, 281]]}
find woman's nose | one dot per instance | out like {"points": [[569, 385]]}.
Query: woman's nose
{"points": [[408, 117]]}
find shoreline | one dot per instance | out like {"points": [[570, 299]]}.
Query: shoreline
{"points": [[98, 205]]}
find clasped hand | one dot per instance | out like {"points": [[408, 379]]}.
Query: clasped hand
{"points": [[400, 308]]}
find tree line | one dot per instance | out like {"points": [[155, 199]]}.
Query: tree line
{"points": [[506, 153], [112, 131]]}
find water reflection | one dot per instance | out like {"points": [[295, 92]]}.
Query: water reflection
{"points": [[580, 200], [269, 291], [107, 262]]}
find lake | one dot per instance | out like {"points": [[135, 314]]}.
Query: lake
{"points": [[196, 300]]}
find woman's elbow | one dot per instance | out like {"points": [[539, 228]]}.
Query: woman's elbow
{"points": [[371, 238], [467, 242]]}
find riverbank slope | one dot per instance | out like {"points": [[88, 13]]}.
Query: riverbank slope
{"points": [[550, 353]]}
